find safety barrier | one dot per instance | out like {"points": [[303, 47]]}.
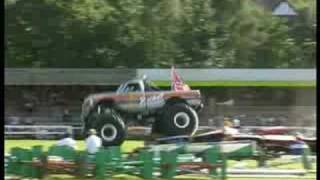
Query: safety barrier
{"points": [[148, 162], [33, 130], [165, 161]]}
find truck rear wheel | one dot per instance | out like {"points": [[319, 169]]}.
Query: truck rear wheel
{"points": [[110, 128], [177, 119]]}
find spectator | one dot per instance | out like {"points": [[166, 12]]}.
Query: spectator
{"points": [[53, 98], [298, 146], [227, 129], [67, 140], [271, 121], [66, 116], [299, 136], [28, 121], [29, 106], [211, 122], [13, 120], [30, 101], [56, 99], [93, 142], [236, 123]]}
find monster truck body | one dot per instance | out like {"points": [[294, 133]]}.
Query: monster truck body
{"points": [[171, 112]]}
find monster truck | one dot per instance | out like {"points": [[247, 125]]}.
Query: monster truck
{"points": [[170, 112]]}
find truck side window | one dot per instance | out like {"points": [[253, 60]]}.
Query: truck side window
{"points": [[149, 87], [132, 88]]}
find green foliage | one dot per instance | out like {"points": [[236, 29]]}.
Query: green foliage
{"points": [[152, 33]]}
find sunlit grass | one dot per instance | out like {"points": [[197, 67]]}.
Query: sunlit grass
{"points": [[126, 147]]}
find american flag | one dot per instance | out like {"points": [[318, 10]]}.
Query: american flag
{"points": [[177, 84]]}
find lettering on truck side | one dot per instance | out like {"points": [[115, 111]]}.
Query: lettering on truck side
{"points": [[152, 100]]}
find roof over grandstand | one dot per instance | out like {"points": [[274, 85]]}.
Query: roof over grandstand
{"points": [[278, 7], [194, 77], [53, 76]]}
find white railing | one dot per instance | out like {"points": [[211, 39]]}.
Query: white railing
{"points": [[37, 130], [290, 127], [255, 127], [18, 130]]}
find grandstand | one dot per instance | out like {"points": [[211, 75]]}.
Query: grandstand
{"points": [[54, 96]]}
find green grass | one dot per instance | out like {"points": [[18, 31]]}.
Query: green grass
{"points": [[127, 177], [128, 146], [273, 163], [243, 83]]}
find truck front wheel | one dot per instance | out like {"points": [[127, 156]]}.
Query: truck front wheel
{"points": [[110, 128]]}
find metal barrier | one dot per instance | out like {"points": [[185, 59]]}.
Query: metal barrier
{"points": [[9, 129], [165, 161], [146, 162], [39, 132]]}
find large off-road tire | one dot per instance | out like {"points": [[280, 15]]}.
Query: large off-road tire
{"points": [[156, 126], [177, 119], [109, 126]]}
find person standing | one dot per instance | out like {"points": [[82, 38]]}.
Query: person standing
{"points": [[66, 116], [93, 142], [228, 129], [236, 123]]}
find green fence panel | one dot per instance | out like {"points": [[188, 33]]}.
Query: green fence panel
{"points": [[25, 157], [83, 164], [37, 155], [13, 165], [102, 162], [168, 164], [146, 170], [262, 157], [305, 160], [213, 156], [244, 152], [224, 166], [6, 163], [115, 152]]}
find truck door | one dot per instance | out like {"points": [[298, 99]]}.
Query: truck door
{"points": [[135, 100], [154, 98]]}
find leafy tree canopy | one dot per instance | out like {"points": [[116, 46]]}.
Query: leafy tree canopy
{"points": [[153, 33]]}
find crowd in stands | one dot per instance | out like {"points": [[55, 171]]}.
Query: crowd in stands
{"points": [[34, 105], [28, 107]]}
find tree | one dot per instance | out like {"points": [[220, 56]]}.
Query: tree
{"points": [[152, 33]]}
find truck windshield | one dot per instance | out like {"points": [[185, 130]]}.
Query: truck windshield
{"points": [[132, 87], [120, 88], [135, 87]]}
